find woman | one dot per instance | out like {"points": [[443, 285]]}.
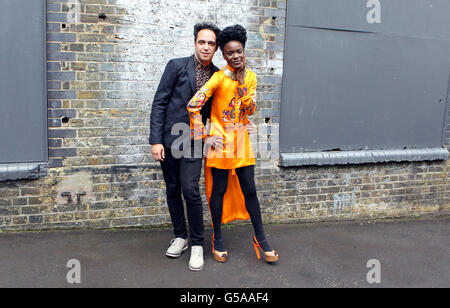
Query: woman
{"points": [[230, 161]]}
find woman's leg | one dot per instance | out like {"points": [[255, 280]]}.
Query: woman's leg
{"points": [[220, 183], [246, 177]]}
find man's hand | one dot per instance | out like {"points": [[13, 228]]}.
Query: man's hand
{"points": [[251, 127], [158, 152], [215, 142]]}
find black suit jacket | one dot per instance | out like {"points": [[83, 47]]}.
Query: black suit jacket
{"points": [[176, 89]]}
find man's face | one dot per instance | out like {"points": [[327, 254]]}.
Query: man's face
{"points": [[205, 46]]}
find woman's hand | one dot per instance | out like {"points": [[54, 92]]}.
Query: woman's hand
{"points": [[215, 142], [240, 74], [251, 127]]}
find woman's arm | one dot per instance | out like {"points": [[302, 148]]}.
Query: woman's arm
{"points": [[247, 94], [196, 104]]}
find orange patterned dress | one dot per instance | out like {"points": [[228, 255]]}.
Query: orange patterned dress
{"points": [[229, 117]]}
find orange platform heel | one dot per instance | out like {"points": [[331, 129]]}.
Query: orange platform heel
{"points": [[219, 256], [269, 257]]}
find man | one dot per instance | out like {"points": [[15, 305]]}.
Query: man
{"points": [[182, 78]]}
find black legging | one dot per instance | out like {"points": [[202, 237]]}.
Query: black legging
{"points": [[246, 177]]}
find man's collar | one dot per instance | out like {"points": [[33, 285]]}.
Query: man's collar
{"points": [[199, 64]]}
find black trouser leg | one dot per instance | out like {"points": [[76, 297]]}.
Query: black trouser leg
{"points": [[171, 172], [182, 176], [190, 171]]}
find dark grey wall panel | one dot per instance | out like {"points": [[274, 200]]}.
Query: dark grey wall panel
{"points": [[349, 85], [417, 18], [23, 99]]}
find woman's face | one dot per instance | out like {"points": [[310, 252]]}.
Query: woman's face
{"points": [[234, 54]]}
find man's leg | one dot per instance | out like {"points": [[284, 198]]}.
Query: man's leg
{"points": [[171, 173], [190, 172]]}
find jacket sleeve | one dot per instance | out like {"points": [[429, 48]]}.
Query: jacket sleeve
{"points": [[248, 100], [161, 101], [196, 104]]}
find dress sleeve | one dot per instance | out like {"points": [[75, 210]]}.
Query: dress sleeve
{"points": [[248, 100], [196, 104]]}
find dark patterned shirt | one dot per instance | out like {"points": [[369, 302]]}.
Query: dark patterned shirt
{"points": [[202, 73]]}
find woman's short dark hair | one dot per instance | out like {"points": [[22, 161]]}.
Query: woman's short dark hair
{"points": [[232, 33], [205, 26]]}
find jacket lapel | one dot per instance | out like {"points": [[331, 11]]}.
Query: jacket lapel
{"points": [[215, 69], [191, 73]]}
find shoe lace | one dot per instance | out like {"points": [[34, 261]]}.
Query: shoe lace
{"points": [[179, 242], [196, 251]]}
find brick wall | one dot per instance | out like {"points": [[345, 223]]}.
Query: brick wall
{"points": [[105, 59]]}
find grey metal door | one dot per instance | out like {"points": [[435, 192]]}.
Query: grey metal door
{"points": [[23, 98], [351, 85]]}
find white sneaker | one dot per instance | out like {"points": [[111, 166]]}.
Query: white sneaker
{"points": [[196, 262], [178, 245]]}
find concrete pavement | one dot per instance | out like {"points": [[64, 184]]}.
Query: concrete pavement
{"points": [[412, 253]]}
